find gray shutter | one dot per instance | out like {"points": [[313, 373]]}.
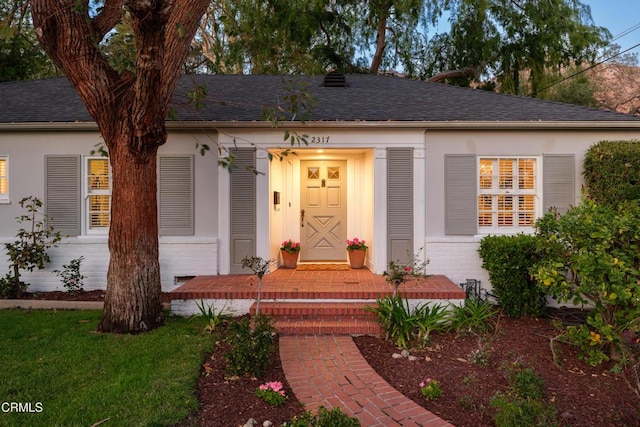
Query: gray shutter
{"points": [[558, 181], [175, 196], [62, 196], [243, 208], [399, 204], [460, 199]]}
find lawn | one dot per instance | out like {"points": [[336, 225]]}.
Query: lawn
{"points": [[59, 369]]}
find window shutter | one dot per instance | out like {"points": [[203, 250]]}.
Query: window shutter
{"points": [[243, 208], [400, 204], [460, 198], [558, 187], [62, 194], [175, 196]]}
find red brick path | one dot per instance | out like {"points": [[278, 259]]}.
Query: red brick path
{"points": [[330, 371]]}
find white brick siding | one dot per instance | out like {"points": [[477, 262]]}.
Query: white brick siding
{"points": [[179, 256], [457, 258]]}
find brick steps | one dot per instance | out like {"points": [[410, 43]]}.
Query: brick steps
{"points": [[321, 318]]}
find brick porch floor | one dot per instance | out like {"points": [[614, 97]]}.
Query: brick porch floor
{"points": [[292, 284]]}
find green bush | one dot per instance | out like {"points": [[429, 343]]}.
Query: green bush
{"points": [[508, 260], [592, 256], [251, 348], [611, 171]]}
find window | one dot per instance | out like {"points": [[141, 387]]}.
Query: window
{"points": [[4, 179], [507, 192], [98, 193]]}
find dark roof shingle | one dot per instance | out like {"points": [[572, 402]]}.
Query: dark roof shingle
{"points": [[243, 98]]}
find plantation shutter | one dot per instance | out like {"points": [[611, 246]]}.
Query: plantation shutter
{"points": [[460, 199], [175, 196], [400, 204], [62, 195], [558, 186], [243, 208]]}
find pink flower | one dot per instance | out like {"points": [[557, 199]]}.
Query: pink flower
{"points": [[407, 269]]}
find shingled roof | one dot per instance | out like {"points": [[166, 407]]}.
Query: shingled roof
{"points": [[366, 98]]}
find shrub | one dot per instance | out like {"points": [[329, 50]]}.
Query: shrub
{"points": [[611, 171], [508, 260], [474, 316], [592, 256], [251, 348], [29, 250], [72, 279]]}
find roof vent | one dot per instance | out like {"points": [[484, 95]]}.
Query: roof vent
{"points": [[334, 79]]}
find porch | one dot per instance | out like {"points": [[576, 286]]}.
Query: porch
{"points": [[307, 301]]}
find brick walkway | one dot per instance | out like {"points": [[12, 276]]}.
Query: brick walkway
{"points": [[330, 371]]}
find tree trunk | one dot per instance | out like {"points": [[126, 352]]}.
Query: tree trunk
{"points": [[130, 111], [381, 39], [133, 299]]}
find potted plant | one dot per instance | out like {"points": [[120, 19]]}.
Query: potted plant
{"points": [[289, 251], [357, 251]]}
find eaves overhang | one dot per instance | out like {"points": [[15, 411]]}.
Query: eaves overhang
{"points": [[422, 125]]}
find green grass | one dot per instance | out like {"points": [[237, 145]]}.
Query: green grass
{"points": [[81, 377]]}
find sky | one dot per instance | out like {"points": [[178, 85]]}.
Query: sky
{"points": [[618, 16]]}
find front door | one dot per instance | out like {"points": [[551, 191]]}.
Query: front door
{"points": [[323, 210]]}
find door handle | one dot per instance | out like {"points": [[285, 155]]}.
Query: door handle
{"points": [[301, 217]]}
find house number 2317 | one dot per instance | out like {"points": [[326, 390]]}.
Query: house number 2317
{"points": [[319, 140]]}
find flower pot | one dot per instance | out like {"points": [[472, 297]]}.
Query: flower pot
{"points": [[289, 260], [356, 258]]}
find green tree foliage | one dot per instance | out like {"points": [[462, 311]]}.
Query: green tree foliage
{"points": [[591, 256], [572, 87], [21, 57], [284, 36], [611, 171], [516, 41], [275, 37]]}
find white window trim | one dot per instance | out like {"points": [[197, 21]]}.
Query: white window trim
{"points": [[4, 197], [85, 197], [495, 229]]}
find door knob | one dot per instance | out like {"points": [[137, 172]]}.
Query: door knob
{"points": [[301, 217]]}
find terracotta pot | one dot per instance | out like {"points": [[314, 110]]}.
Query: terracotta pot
{"points": [[289, 260], [356, 258]]}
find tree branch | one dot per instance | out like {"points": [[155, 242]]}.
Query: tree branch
{"points": [[108, 17], [469, 71]]}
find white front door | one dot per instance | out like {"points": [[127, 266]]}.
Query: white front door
{"points": [[323, 210]]}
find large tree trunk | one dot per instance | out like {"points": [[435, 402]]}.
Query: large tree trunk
{"points": [[130, 111], [132, 301]]}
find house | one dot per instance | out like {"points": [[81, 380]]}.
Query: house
{"points": [[400, 163]]}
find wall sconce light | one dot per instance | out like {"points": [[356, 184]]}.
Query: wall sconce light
{"points": [[276, 200]]}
